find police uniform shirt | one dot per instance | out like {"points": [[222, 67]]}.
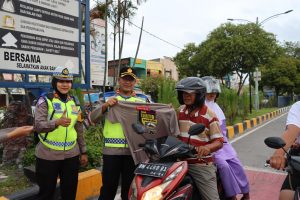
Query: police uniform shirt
{"points": [[42, 124]]}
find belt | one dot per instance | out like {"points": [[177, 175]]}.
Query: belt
{"points": [[200, 160]]}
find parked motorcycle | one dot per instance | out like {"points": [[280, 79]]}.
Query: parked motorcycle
{"points": [[292, 160], [164, 176]]}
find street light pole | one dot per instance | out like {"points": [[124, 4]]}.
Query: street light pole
{"points": [[256, 100]]}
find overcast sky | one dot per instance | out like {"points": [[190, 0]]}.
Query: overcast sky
{"points": [[183, 21]]}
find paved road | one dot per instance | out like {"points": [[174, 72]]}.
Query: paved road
{"points": [[251, 148], [265, 183]]}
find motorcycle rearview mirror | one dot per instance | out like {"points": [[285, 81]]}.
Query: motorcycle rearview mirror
{"points": [[196, 129], [274, 142], [139, 128]]}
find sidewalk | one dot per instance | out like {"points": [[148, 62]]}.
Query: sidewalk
{"points": [[264, 185]]}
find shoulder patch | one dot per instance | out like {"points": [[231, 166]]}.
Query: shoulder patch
{"points": [[41, 100], [57, 106]]}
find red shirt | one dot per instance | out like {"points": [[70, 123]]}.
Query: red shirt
{"points": [[201, 115]]}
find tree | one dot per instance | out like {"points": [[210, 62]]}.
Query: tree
{"points": [[229, 49], [118, 13], [183, 60], [121, 12], [292, 49], [239, 49], [282, 74]]}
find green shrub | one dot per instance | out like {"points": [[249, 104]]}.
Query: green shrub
{"points": [[150, 85], [94, 141], [29, 157], [244, 105], [167, 93], [234, 106], [228, 101]]}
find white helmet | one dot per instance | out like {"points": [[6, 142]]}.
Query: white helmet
{"points": [[212, 84], [62, 74]]}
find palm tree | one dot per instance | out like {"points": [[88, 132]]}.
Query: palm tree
{"points": [[118, 13]]}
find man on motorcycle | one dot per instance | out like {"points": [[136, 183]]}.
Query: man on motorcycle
{"points": [[278, 160], [191, 95]]}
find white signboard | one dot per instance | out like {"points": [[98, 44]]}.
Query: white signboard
{"points": [[39, 35], [97, 51], [257, 75]]}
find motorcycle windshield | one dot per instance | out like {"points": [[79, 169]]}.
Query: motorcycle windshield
{"points": [[172, 146]]}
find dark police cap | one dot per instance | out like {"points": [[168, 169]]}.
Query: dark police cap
{"points": [[128, 71]]}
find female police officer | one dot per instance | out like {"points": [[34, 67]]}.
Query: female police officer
{"points": [[60, 132]]}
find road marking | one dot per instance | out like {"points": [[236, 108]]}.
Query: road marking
{"points": [[244, 135]]}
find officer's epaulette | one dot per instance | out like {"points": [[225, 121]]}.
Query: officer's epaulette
{"points": [[44, 96], [50, 95], [77, 102], [47, 95]]}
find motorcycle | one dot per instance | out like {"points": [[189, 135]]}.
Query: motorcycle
{"points": [[292, 161], [165, 176]]}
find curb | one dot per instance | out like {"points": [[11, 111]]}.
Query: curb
{"points": [[239, 128]]}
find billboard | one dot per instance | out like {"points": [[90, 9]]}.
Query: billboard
{"points": [[39, 35], [97, 52]]}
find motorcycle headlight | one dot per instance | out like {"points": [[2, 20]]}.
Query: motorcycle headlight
{"points": [[156, 192]]}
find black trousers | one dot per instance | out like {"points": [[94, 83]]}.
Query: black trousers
{"points": [[113, 167], [47, 172]]}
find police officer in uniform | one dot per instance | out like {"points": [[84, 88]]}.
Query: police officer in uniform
{"points": [[117, 160], [61, 144]]}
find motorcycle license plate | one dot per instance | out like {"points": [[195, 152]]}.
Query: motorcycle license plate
{"points": [[152, 169]]}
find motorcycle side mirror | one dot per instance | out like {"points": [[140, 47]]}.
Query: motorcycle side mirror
{"points": [[275, 142], [196, 129], [139, 128]]}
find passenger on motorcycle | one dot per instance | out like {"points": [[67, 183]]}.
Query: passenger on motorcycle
{"points": [[291, 136], [230, 169], [191, 95]]}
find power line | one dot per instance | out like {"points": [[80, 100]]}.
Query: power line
{"points": [[151, 34]]}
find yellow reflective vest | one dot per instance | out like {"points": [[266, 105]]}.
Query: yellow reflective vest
{"points": [[113, 133], [61, 138]]}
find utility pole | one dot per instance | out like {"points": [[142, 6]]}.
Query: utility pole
{"points": [[257, 77]]}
